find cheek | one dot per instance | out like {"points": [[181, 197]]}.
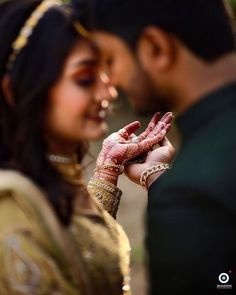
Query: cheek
{"points": [[69, 100], [67, 108]]}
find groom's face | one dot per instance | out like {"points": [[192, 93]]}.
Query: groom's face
{"points": [[125, 72]]}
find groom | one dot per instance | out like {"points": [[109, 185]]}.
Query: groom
{"points": [[180, 55]]}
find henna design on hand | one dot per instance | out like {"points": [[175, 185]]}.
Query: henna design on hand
{"points": [[124, 145]]}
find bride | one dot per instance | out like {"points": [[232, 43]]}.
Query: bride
{"points": [[57, 235]]}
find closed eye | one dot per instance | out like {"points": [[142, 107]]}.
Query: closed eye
{"points": [[86, 82]]}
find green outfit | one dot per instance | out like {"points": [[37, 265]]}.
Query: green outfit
{"points": [[192, 208], [40, 256]]}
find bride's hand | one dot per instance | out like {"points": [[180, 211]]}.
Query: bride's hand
{"points": [[124, 145]]}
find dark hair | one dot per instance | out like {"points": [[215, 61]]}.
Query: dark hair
{"points": [[204, 26], [37, 67]]}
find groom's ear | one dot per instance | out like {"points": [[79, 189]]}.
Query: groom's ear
{"points": [[156, 49], [7, 92]]}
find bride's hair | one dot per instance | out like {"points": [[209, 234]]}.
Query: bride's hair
{"points": [[36, 68]]}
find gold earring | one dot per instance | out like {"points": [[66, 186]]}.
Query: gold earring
{"points": [[113, 92], [104, 103], [104, 77]]}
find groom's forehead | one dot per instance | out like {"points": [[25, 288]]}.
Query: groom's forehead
{"points": [[111, 45]]}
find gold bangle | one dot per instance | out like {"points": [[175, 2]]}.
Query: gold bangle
{"points": [[148, 172], [108, 194], [111, 188], [112, 167]]}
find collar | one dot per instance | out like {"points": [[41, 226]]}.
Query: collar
{"points": [[206, 109]]}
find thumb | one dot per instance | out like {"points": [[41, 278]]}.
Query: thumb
{"points": [[165, 143], [132, 127]]}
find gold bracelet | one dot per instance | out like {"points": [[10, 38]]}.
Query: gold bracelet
{"points": [[111, 188], [112, 167], [150, 171]]}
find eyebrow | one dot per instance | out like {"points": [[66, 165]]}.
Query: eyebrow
{"points": [[86, 62]]}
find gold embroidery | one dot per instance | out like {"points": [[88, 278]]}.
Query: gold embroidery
{"points": [[100, 242], [69, 168], [107, 194], [22, 272]]}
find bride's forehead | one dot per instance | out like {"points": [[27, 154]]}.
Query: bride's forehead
{"points": [[83, 53]]}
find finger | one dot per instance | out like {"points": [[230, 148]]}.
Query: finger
{"points": [[143, 147], [162, 125], [132, 127], [150, 126], [166, 115], [168, 127], [165, 142], [168, 118], [156, 124], [155, 119], [147, 144]]}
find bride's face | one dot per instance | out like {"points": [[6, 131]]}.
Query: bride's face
{"points": [[77, 101]]}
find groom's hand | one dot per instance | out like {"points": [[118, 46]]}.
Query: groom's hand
{"points": [[163, 154]]}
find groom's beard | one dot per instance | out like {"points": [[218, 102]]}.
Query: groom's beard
{"points": [[159, 100], [151, 102], [144, 99]]}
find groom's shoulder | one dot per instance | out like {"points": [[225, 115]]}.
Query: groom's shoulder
{"points": [[214, 139]]}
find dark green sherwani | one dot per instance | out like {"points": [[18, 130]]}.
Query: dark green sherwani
{"points": [[191, 236]]}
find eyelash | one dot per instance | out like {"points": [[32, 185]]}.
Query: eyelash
{"points": [[87, 82]]}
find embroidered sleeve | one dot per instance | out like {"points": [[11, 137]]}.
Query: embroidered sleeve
{"points": [[106, 193], [26, 266]]}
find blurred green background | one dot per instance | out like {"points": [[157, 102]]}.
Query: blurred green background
{"points": [[233, 3]]}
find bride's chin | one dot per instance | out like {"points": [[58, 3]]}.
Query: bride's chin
{"points": [[99, 132]]}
